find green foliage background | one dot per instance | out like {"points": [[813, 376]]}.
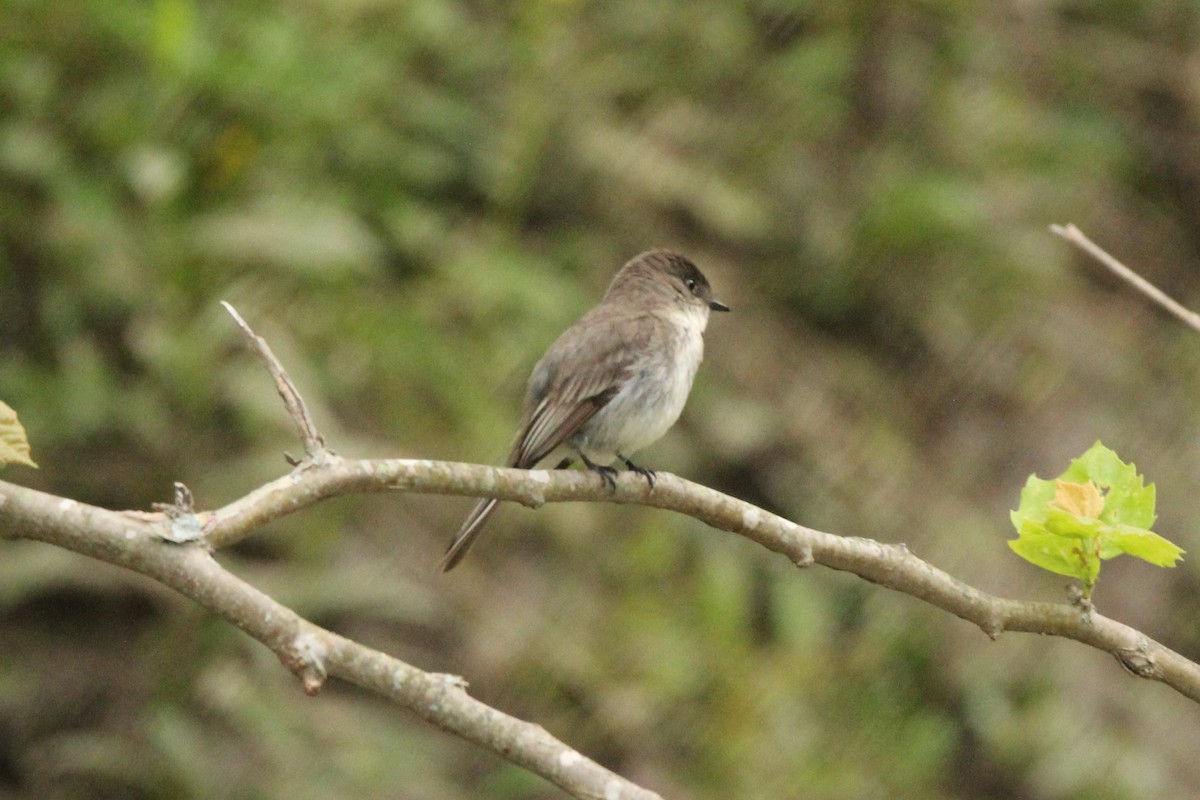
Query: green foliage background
{"points": [[410, 200]]}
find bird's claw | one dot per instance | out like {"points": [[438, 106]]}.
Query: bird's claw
{"points": [[648, 474], [609, 474]]}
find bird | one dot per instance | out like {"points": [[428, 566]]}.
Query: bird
{"points": [[615, 381]]}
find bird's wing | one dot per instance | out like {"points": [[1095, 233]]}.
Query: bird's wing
{"points": [[552, 424], [564, 393]]}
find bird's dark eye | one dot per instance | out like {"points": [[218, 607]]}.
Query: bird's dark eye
{"points": [[691, 284]]}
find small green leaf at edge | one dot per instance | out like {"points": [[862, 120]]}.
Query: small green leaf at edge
{"points": [[1123, 526]]}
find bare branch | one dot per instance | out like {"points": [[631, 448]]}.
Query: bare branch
{"points": [[889, 565], [308, 650], [314, 443], [1076, 237]]}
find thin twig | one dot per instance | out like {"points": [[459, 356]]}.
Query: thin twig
{"points": [[314, 443], [1076, 237]]}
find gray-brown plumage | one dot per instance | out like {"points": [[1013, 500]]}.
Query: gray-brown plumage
{"points": [[616, 380]]}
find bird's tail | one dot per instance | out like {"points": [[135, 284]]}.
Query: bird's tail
{"points": [[468, 533]]}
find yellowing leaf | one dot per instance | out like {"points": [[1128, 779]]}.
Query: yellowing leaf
{"points": [[1080, 499], [14, 446]]}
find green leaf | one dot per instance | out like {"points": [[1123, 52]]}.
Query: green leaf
{"points": [[1055, 553], [1064, 523], [1146, 545], [1099, 508], [14, 446]]}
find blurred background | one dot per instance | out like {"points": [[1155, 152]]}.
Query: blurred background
{"points": [[410, 200]]}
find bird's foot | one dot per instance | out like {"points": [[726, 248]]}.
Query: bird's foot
{"points": [[609, 474], [648, 474]]}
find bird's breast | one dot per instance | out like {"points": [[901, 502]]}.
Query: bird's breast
{"points": [[652, 398]]}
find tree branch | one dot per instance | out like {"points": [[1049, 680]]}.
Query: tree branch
{"points": [[889, 565], [142, 543], [314, 443], [1076, 237]]}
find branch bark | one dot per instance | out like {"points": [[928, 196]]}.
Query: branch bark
{"points": [[1077, 237], [145, 543], [890, 565]]}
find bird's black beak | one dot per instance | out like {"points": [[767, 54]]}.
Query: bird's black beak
{"points": [[716, 305]]}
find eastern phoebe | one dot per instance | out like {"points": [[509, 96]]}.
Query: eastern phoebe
{"points": [[616, 380]]}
